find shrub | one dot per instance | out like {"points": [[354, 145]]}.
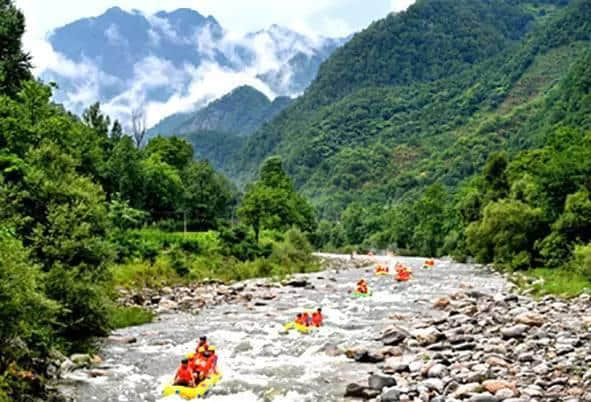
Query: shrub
{"points": [[582, 260], [122, 317]]}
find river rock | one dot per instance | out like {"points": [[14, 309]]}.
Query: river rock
{"points": [[466, 390], [391, 395], [368, 356], [441, 303], [483, 397], [297, 283], [394, 336], [437, 371], [434, 384], [515, 331], [167, 304], [358, 391], [379, 382], [427, 336], [530, 318], [493, 386], [124, 340]]}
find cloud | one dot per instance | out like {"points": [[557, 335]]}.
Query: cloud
{"points": [[401, 5], [114, 37], [164, 88]]}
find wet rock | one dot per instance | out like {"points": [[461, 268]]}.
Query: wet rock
{"points": [[297, 283], [394, 336], [379, 382], [124, 340], [97, 373], [358, 391], [166, 291], [368, 356]]}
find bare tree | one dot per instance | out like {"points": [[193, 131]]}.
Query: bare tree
{"points": [[138, 125]]}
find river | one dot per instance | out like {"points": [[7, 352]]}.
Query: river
{"points": [[259, 363]]}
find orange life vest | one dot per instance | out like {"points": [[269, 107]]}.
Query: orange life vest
{"points": [[184, 374]]}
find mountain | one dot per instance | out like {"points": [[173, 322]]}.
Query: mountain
{"points": [[423, 97], [175, 61], [241, 112], [221, 128]]}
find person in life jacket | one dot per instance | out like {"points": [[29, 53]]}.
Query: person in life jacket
{"points": [[306, 319], [403, 275], [317, 318], [300, 319], [184, 376], [201, 344], [362, 286], [212, 361]]}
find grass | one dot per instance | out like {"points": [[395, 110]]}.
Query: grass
{"points": [[561, 282], [122, 317]]}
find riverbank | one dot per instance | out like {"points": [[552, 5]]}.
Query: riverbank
{"points": [[483, 347]]}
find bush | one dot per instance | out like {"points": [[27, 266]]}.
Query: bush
{"points": [[25, 311], [582, 260]]}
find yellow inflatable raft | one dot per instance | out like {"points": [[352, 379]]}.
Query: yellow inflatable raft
{"points": [[192, 393]]}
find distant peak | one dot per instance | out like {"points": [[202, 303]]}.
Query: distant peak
{"points": [[115, 10]]}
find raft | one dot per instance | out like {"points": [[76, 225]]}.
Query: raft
{"points": [[381, 273], [199, 391], [298, 327], [361, 295]]}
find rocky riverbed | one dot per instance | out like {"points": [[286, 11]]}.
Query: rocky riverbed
{"points": [[483, 348], [454, 333]]}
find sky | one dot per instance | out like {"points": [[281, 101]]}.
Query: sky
{"points": [[334, 18], [329, 18]]}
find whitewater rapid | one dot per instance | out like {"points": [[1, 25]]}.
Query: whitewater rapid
{"points": [[258, 362]]}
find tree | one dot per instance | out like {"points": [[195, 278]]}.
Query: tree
{"points": [[207, 196], [15, 65], [138, 125], [95, 119], [271, 202], [175, 151]]}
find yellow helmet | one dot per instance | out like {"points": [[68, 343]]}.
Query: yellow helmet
{"points": [[201, 349], [211, 348]]}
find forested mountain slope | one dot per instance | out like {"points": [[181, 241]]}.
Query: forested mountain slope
{"points": [[425, 96]]}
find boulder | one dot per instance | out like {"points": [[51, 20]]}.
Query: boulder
{"points": [[379, 382], [394, 336], [368, 356], [391, 395], [297, 283], [427, 336]]}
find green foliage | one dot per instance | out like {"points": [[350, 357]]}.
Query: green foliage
{"points": [[582, 261], [25, 311], [15, 64], [122, 317], [272, 203]]}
